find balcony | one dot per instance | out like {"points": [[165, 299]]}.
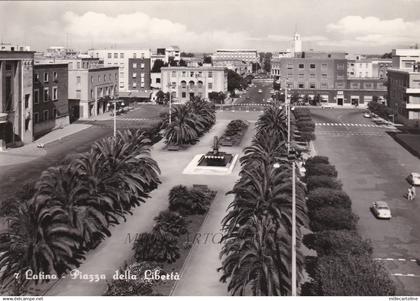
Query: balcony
{"points": [[412, 90]]}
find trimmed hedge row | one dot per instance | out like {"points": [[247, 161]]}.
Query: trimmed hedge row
{"points": [[304, 123], [234, 132], [344, 266]]}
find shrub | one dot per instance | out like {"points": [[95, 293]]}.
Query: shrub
{"points": [[323, 197], [169, 222], [350, 276], [156, 247], [314, 182], [330, 218], [316, 160], [188, 202], [337, 242], [321, 170]]}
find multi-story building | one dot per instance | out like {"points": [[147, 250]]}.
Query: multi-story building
{"points": [[368, 68], [239, 66], [247, 55], [186, 82], [50, 98], [119, 58], [13, 47], [16, 77], [325, 74], [405, 59], [139, 74], [404, 95], [90, 90]]}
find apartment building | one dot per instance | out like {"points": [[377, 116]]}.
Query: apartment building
{"points": [[368, 68], [405, 59], [139, 74], [239, 66], [186, 82], [50, 98], [90, 89], [16, 93], [247, 55], [120, 58]]}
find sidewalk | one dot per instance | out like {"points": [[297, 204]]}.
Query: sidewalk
{"points": [[115, 250], [30, 151]]}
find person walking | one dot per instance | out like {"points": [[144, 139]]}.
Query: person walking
{"points": [[413, 191], [410, 194]]}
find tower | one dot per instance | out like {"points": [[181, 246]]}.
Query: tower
{"points": [[297, 43]]}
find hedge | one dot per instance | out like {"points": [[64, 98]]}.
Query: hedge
{"points": [[323, 197], [330, 218], [314, 182]]}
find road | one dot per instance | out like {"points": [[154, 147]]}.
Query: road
{"points": [[253, 96], [373, 167]]}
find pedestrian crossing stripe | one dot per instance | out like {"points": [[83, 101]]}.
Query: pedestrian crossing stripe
{"points": [[351, 124], [343, 133]]}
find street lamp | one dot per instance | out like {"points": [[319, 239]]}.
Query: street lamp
{"points": [[114, 101], [170, 86]]}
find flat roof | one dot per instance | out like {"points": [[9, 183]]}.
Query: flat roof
{"points": [[201, 68]]}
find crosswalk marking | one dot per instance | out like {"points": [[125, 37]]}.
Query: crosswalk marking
{"points": [[396, 259], [352, 124], [344, 133]]}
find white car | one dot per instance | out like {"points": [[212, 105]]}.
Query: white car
{"points": [[367, 115], [414, 178], [381, 210], [259, 91]]}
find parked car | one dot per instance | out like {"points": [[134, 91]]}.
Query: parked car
{"points": [[259, 91], [367, 115], [381, 210], [414, 178]]}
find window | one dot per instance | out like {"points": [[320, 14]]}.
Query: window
{"points": [[312, 85], [55, 93], [115, 55], [36, 77], [91, 79], [134, 74], [301, 86], [134, 85], [301, 75], [109, 55], [134, 55], [210, 85], [324, 75], [78, 80], [142, 65], [78, 65], [36, 96], [54, 115], [340, 66], [91, 93], [27, 101], [134, 65], [184, 73], [158, 80], [46, 115], [142, 85], [55, 75], [104, 77], [210, 74], [116, 76], [173, 73], [312, 75], [36, 117], [99, 78], [324, 85], [289, 66], [301, 66], [183, 94], [324, 66], [312, 66], [192, 73], [121, 55], [45, 76], [46, 94]]}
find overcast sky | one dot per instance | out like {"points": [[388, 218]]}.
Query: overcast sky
{"points": [[358, 26]]}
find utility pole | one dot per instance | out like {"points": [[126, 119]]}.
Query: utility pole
{"points": [[288, 119], [294, 228], [170, 103]]}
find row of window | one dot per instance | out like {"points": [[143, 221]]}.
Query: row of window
{"points": [[121, 56], [46, 76], [46, 94], [313, 66], [45, 116], [192, 74], [135, 65], [135, 75], [141, 85], [99, 78], [191, 85]]}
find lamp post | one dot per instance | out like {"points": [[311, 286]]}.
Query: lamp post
{"points": [[170, 86], [294, 228], [114, 101]]}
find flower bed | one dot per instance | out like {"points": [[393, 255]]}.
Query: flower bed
{"points": [[234, 133]]}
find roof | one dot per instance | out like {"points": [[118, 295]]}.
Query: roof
{"points": [[136, 93], [382, 204]]}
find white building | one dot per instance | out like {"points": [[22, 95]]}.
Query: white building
{"points": [[405, 59], [13, 47], [368, 68], [239, 66], [119, 58], [247, 55], [186, 82]]}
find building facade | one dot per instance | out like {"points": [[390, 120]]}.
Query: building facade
{"points": [[50, 98], [186, 82], [139, 74], [90, 90], [239, 66], [368, 68], [16, 97], [326, 75], [405, 59], [404, 95], [120, 58], [247, 55]]}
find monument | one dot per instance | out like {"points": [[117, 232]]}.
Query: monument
{"points": [[215, 157]]}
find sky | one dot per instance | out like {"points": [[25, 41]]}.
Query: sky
{"points": [[356, 26]]}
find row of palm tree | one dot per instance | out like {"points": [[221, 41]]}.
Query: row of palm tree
{"points": [[74, 205], [189, 121], [257, 246]]}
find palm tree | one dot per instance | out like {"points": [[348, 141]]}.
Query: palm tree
{"points": [[185, 126], [273, 121], [39, 238], [204, 109]]}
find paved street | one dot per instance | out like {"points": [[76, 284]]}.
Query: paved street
{"points": [[373, 167]]}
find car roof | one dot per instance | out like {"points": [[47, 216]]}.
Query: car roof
{"points": [[416, 174], [381, 204]]}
